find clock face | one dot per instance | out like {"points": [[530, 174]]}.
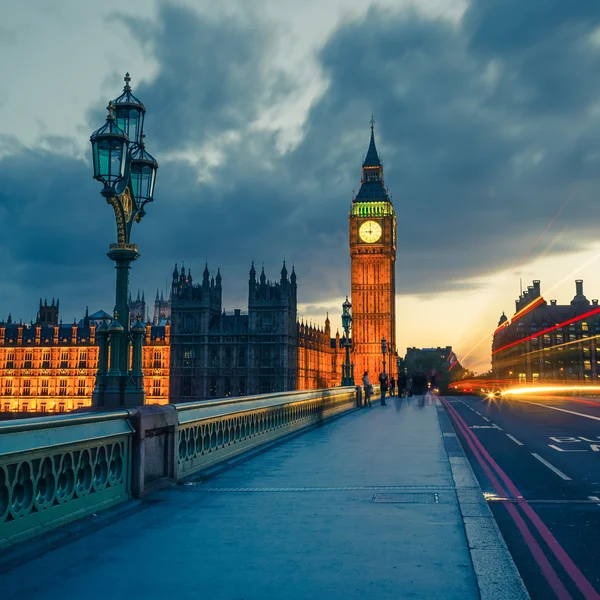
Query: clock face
{"points": [[370, 232]]}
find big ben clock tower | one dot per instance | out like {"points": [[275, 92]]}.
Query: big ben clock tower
{"points": [[373, 259]]}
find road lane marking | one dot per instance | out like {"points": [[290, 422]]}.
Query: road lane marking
{"points": [[551, 467], [514, 439], [562, 449], [481, 427], [485, 418], [571, 412], [498, 428]]}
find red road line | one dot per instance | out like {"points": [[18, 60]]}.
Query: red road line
{"points": [[535, 549], [584, 586]]}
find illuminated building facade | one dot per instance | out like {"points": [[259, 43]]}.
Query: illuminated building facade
{"points": [[373, 260], [320, 357], [48, 366], [548, 341]]}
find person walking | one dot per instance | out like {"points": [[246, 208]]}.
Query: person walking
{"points": [[368, 388], [383, 382], [409, 384], [392, 386]]}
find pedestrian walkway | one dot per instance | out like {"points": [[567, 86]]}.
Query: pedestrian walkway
{"points": [[362, 507]]}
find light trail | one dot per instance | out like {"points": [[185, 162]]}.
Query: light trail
{"points": [[549, 329], [545, 389], [522, 260]]}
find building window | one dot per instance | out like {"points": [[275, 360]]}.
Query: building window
{"points": [[559, 338], [186, 385], [547, 339], [64, 360], [214, 356], [80, 387], [156, 387], [27, 387], [213, 386], [44, 387], [242, 387], [62, 390], [25, 407], [227, 388], [157, 359], [61, 407], [587, 365], [522, 378], [584, 326], [7, 407], [83, 359], [28, 359], [535, 377], [188, 357], [10, 360], [46, 359], [43, 407], [8, 388], [242, 357]]}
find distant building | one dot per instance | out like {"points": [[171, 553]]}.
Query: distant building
{"points": [[436, 367], [548, 342]]}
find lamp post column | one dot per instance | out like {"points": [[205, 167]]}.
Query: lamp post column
{"points": [[123, 257], [347, 369]]}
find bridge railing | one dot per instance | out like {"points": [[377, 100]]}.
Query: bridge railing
{"points": [[57, 469]]}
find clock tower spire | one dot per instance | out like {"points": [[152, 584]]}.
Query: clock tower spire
{"points": [[373, 259]]}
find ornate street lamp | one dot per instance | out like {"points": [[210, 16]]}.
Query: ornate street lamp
{"points": [[347, 369], [128, 173], [383, 351]]}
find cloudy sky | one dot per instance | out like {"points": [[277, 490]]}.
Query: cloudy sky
{"points": [[487, 120]]}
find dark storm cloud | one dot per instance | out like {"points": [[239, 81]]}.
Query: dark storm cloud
{"points": [[485, 128]]}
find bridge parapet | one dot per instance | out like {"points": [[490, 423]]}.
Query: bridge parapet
{"points": [[60, 468], [57, 469]]}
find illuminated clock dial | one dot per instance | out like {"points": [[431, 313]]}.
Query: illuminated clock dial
{"points": [[370, 232]]}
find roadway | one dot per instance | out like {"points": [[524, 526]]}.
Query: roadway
{"points": [[538, 461]]}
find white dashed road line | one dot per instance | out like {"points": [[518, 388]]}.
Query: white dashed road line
{"points": [[514, 439], [595, 499], [496, 426], [485, 418], [551, 467]]}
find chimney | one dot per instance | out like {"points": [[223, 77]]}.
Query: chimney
{"points": [[536, 288], [552, 302], [579, 287], [595, 301]]}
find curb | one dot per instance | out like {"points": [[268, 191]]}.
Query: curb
{"points": [[495, 571]]}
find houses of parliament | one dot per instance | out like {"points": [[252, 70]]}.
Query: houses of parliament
{"points": [[193, 349]]}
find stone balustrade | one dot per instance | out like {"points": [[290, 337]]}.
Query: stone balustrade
{"points": [[60, 468]]}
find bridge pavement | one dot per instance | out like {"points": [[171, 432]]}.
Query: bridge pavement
{"points": [[366, 506]]}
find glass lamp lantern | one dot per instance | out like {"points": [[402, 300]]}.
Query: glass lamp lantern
{"points": [[109, 152], [143, 168], [383, 346], [129, 113]]}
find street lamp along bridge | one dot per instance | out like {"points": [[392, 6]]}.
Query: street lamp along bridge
{"points": [[128, 173]]}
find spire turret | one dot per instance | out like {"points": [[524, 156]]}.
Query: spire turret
{"points": [[372, 188]]}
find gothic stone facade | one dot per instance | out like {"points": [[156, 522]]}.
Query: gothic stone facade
{"points": [[263, 350]]}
